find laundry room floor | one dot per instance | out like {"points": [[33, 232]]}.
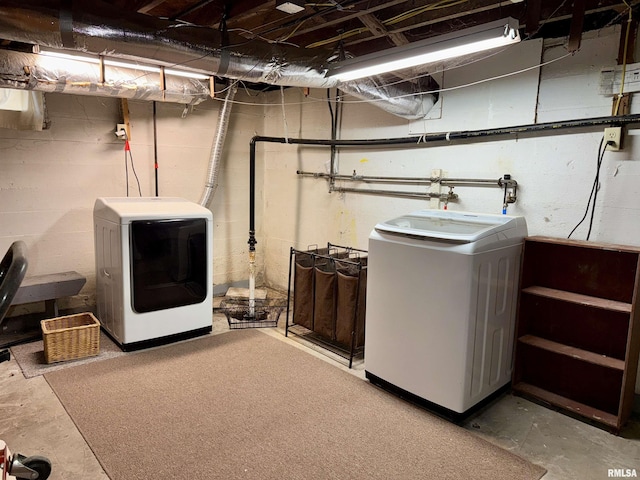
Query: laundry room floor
{"points": [[33, 422]]}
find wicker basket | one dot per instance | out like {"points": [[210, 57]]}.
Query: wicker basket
{"points": [[70, 337]]}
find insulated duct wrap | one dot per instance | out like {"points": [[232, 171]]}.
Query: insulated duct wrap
{"points": [[99, 29], [27, 71], [216, 154], [395, 99]]}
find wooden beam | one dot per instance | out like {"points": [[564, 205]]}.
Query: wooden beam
{"points": [[150, 6], [256, 13], [577, 23], [192, 9], [434, 20], [533, 16], [337, 21], [377, 29], [622, 107], [125, 117]]}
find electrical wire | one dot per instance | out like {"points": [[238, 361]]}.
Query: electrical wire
{"points": [[596, 188], [127, 148], [466, 85], [292, 33], [425, 92], [596, 182], [388, 22], [542, 24], [594, 193]]}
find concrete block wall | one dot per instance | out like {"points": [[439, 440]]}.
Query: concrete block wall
{"points": [[49, 180], [555, 172]]}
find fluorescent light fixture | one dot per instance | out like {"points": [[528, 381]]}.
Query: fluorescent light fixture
{"points": [[122, 64], [472, 40], [290, 6]]}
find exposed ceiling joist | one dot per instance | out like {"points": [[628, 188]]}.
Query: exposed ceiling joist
{"points": [[150, 6], [368, 26], [577, 23], [377, 29]]}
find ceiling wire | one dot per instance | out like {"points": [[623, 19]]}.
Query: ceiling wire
{"points": [[426, 92], [334, 6], [390, 21], [288, 36], [543, 23], [418, 10]]}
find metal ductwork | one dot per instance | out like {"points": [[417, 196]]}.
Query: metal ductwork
{"points": [[96, 28], [29, 71]]}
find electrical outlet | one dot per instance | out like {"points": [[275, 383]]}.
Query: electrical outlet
{"points": [[121, 131], [613, 138]]}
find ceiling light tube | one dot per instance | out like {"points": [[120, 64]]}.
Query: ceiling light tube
{"points": [[472, 40]]}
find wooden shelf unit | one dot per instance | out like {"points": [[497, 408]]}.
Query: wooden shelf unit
{"points": [[578, 332]]}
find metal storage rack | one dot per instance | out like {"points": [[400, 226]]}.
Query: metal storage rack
{"points": [[329, 298]]}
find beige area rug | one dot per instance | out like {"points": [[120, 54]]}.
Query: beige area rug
{"points": [[245, 405], [30, 357]]}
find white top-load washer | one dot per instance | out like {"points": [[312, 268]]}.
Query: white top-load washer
{"points": [[441, 300]]}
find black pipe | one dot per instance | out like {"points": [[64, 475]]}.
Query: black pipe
{"points": [[155, 147], [252, 195], [424, 141]]}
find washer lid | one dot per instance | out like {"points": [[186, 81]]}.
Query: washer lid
{"points": [[462, 227]]}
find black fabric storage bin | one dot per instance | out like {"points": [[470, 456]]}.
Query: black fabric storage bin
{"points": [[329, 298], [351, 297], [303, 290], [324, 298]]}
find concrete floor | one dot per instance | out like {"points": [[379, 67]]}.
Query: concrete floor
{"points": [[33, 422]]}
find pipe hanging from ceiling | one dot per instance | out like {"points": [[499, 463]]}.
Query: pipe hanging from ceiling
{"points": [[214, 163], [100, 29], [428, 140]]}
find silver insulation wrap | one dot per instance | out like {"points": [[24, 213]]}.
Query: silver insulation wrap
{"points": [[100, 29], [216, 154], [28, 71], [396, 99]]}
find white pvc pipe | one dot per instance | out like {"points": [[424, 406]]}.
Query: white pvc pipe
{"points": [[252, 284]]}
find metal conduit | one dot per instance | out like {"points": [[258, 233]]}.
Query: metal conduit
{"points": [[398, 193], [405, 180], [426, 140]]}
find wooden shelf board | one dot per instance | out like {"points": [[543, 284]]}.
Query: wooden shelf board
{"points": [[577, 298], [568, 404], [582, 244], [573, 352]]}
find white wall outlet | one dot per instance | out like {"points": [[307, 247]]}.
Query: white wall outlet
{"points": [[613, 138], [121, 131]]}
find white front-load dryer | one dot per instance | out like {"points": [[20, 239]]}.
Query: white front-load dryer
{"points": [[154, 280]]}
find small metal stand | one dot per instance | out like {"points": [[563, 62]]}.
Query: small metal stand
{"points": [[329, 298]]}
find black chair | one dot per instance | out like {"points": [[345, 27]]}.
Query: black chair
{"points": [[12, 270]]}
